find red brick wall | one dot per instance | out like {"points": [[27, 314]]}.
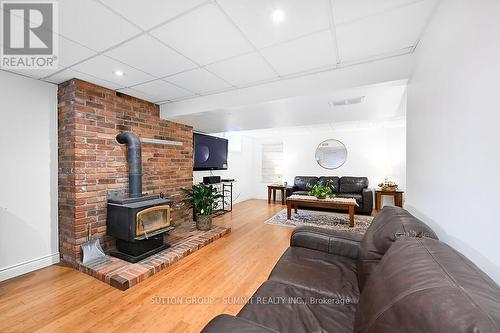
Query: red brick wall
{"points": [[92, 162]]}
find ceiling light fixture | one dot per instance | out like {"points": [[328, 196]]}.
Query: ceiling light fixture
{"points": [[119, 73], [278, 16]]}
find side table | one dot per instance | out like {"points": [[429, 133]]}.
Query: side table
{"points": [[272, 189], [398, 198]]}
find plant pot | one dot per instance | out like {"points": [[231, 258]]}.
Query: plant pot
{"points": [[203, 222]]}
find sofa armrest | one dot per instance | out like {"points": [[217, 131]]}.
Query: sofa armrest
{"points": [[226, 323], [343, 243], [367, 200]]}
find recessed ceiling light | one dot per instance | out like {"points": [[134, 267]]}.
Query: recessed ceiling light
{"points": [[119, 73], [278, 16]]}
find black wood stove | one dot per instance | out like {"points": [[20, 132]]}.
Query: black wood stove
{"points": [[139, 221]]}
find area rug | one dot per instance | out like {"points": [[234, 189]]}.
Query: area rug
{"points": [[329, 220]]}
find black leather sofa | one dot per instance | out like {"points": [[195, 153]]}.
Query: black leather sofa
{"points": [[344, 187], [398, 277]]}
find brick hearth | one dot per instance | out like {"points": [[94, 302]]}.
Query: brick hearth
{"points": [[123, 275], [91, 162]]}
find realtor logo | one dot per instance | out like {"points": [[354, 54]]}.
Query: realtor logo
{"points": [[29, 35]]}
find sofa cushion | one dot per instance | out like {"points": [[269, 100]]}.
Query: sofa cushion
{"points": [[301, 192], [356, 196], [334, 181], [423, 285], [353, 184], [297, 310], [339, 242], [301, 182], [318, 271], [389, 224]]}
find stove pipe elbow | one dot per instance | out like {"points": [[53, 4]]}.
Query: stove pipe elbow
{"points": [[134, 162]]}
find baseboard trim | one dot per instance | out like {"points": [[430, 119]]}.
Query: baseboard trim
{"points": [[28, 266]]}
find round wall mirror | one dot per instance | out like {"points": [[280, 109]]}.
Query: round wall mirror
{"points": [[331, 154]]}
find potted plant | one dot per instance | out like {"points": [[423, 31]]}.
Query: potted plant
{"points": [[322, 191], [203, 199]]}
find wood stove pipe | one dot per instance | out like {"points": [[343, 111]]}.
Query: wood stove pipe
{"points": [[134, 162]]}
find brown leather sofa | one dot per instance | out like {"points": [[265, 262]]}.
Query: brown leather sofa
{"points": [[343, 187], [397, 278]]}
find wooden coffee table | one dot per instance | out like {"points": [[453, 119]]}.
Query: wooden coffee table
{"points": [[295, 201]]}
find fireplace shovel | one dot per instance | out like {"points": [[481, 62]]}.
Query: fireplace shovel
{"points": [[91, 248]]}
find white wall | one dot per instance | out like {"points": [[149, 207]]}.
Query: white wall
{"points": [[241, 166], [28, 175], [371, 152], [453, 124]]}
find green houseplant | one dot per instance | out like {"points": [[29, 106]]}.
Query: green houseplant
{"points": [[322, 191], [203, 199]]}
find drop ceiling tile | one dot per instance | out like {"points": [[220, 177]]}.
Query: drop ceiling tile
{"points": [[151, 56], [93, 25], [303, 54], [35, 73], [160, 90], [204, 35], [198, 81], [379, 34], [254, 18], [242, 70], [178, 99], [152, 14], [61, 77], [104, 68], [70, 52], [69, 74], [348, 10]]}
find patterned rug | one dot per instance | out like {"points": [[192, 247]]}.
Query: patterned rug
{"points": [[329, 220]]}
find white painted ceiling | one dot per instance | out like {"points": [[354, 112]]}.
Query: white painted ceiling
{"points": [[383, 102], [180, 49]]}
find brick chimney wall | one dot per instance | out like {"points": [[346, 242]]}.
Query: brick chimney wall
{"points": [[91, 162]]}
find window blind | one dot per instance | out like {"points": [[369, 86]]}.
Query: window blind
{"points": [[272, 161]]}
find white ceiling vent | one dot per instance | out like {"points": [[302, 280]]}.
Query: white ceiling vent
{"points": [[348, 101]]}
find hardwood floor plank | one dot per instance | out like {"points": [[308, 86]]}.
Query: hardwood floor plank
{"points": [[60, 299]]}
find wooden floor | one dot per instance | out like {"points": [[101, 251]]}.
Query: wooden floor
{"points": [[60, 299]]}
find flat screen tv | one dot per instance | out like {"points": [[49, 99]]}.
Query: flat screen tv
{"points": [[210, 152]]}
